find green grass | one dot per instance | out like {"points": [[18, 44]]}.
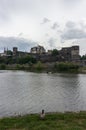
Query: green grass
{"points": [[52, 121]]}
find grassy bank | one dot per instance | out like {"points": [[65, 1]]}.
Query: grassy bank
{"points": [[43, 67], [52, 121]]}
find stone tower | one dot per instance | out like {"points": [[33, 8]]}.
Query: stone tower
{"points": [[15, 50], [75, 53]]}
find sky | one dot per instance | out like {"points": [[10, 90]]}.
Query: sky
{"points": [[50, 23]]}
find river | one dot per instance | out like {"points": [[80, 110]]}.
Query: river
{"points": [[26, 92]]}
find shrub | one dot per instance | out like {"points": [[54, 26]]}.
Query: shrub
{"points": [[66, 67], [39, 66], [2, 66]]}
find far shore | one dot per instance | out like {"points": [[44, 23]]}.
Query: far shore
{"points": [[51, 68]]}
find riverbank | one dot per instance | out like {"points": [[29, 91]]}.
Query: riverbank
{"points": [[52, 121], [46, 67]]}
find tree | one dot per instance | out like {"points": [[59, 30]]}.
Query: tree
{"points": [[2, 66], [66, 67], [83, 57], [26, 59], [39, 66], [55, 52]]}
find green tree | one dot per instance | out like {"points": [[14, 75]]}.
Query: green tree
{"points": [[2, 66], [83, 57], [9, 52], [39, 66], [55, 52], [66, 67], [26, 59]]}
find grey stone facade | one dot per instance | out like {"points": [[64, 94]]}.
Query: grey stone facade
{"points": [[70, 53], [38, 50]]}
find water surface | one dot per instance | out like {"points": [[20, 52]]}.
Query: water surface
{"points": [[24, 92]]}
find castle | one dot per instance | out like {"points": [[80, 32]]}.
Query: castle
{"points": [[65, 54]]}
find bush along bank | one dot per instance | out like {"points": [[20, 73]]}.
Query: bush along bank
{"points": [[66, 67], [43, 67]]}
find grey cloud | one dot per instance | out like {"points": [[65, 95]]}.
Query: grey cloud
{"points": [[45, 20], [21, 43], [55, 26], [73, 31], [59, 31], [73, 34], [70, 24]]}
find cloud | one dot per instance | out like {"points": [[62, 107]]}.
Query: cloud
{"points": [[21, 43], [20, 34], [47, 35], [73, 34], [11, 8], [55, 26], [3, 17], [73, 31], [59, 31], [52, 42], [83, 25], [45, 20], [70, 24], [70, 3]]}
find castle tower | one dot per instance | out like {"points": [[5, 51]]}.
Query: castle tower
{"points": [[75, 53], [15, 50]]}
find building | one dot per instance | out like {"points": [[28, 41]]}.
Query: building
{"points": [[75, 53], [15, 51], [66, 54], [49, 52], [70, 53], [38, 50]]}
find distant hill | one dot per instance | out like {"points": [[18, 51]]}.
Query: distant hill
{"points": [[21, 43]]}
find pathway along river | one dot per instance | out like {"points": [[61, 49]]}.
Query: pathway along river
{"points": [[24, 92]]}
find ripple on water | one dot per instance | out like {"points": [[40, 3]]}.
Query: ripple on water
{"points": [[25, 92]]}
